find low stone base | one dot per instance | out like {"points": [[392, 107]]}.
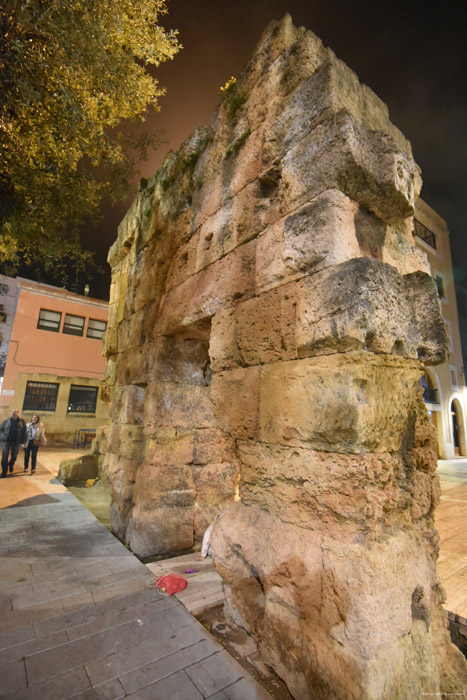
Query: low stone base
{"points": [[79, 470]]}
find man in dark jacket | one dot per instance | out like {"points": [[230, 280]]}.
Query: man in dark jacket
{"points": [[12, 435]]}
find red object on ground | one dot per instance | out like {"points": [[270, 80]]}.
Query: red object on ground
{"points": [[171, 583]]}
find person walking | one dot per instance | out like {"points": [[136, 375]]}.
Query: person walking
{"points": [[12, 435], [35, 437]]}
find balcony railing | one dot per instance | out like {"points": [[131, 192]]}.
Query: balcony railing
{"points": [[430, 395], [424, 233]]}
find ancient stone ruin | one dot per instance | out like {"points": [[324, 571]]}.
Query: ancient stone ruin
{"points": [[269, 320]]}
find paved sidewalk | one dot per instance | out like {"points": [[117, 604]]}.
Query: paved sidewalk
{"points": [[77, 619]]}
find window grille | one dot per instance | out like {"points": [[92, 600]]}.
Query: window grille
{"points": [[49, 320], [96, 328], [424, 233], [40, 396], [82, 399]]}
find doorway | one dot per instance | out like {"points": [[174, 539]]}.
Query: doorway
{"points": [[457, 427]]}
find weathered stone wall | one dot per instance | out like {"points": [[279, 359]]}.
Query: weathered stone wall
{"points": [[269, 318]]}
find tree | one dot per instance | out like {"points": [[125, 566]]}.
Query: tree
{"points": [[73, 73]]}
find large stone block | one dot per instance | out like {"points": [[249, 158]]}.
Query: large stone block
{"points": [[170, 449], [132, 404], [239, 220], [330, 89], [130, 366], [183, 264], [216, 487], [339, 404], [223, 347], [121, 475], [433, 343], [154, 532], [324, 491], [367, 304], [335, 596], [265, 327], [258, 331], [313, 237], [159, 486], [79, 470], [181, 360], [235, 398], [168, 404], [212, 446], [228, 280], [365, 165]]}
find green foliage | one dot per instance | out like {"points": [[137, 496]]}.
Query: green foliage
{"points": [[190, 162], [73, 73], [237, 144]]}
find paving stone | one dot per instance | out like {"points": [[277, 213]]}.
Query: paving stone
{"points": [[124, 574], [244, 689], [111, 690], [120, 604], [5, 605], [90, 694], [60, 687], [110, 565], [215, 673], [102, 623], [164, 622], [117, 589], [13, 569], [162, 668], [76, 601], [16, 636], [163, 603], [34, 646], [13, 677], [178, 686], [117, 664], [33, 614], [58, 623], [80, 652]]}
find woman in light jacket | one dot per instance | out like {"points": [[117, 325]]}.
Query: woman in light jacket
{"points": [[35, 437]]}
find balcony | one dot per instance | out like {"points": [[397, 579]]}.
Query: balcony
{"points": [[430, 395], [424, 233]]}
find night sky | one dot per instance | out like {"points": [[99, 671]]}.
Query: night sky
{"points": [[413, 57]]}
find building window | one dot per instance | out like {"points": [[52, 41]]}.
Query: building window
{"points": [[73, 325], [424, 233], [49, 320], [440, 286], [82, 399], [40, 396], [430, 394], [96, 329], [453, 377]]}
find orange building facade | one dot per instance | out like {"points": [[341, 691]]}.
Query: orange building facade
{"points": [[54, 360]]}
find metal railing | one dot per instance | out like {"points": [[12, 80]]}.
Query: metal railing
{"points": [[430, 395], [424, 233], [83, 437]]}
